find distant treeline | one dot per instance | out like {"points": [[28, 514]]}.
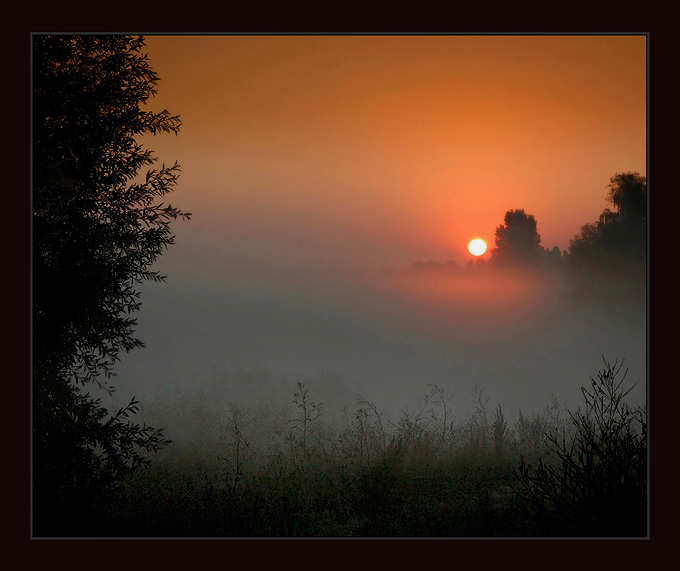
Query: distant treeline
{"points": [[609, 252]]}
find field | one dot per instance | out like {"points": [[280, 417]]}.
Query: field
{"points": [[300, 471]]}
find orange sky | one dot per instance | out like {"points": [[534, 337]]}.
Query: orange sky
{"points": [[359, 151]]}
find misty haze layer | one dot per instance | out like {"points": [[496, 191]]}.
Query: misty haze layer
{"points": [[522, 337]]}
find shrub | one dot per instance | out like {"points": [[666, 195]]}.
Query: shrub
{"points": [[595, 483]]}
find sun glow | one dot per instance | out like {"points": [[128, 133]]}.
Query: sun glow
{"points": [[477, 247]]}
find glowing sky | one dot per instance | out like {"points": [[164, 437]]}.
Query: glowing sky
{"points": [[354, 154], [364, 151]]}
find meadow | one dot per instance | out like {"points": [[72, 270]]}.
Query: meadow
{"points": [[299, 469]]}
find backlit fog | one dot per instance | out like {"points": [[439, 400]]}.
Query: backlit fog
{"points": [[526, 339], [319, 169]]}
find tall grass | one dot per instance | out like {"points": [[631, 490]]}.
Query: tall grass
{"points": [[291, 471], [597, 479]]}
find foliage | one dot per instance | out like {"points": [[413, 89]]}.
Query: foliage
{"points": [[628, 194], [517, 240], [97, 228], [81, 455], [618, 240], [376, 477], [596, 485], [94, 234]]}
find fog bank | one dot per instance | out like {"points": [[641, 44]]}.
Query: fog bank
{"points": [[522, 337]]}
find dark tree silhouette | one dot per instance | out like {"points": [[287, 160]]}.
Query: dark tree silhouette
{"points": [[628, 194], [517, 241], [616, 244], [96, 229]]}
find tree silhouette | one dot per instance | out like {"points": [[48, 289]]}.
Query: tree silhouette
{"points": [[96, 230], [617, 242], [517, 240], [628, 194]]}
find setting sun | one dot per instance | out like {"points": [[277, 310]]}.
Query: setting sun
{"points": [[477, 247], [323, 321]]}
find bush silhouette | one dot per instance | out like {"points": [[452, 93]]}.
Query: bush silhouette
{"points": [[595, 481]]}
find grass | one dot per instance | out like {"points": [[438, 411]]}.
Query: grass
{"points": [[558, 473]]}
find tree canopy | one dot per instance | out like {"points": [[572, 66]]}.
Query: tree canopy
{"points": [[618, 240], [517, 240], [97, 229], [628, 194]]}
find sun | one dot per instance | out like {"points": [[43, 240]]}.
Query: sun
{"points": [[477, 247]]}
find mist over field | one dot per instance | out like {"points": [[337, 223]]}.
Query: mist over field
{"points": [[303, 192], [331, 355], [525, 338]]}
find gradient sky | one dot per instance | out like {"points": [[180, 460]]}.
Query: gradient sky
{"points": [[368, 151], [304, 154]]}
